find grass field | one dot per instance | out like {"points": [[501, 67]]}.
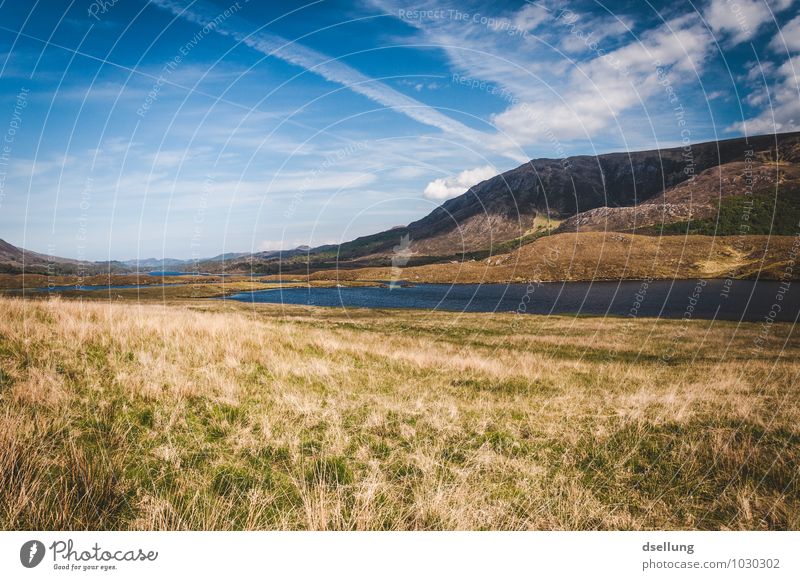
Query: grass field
{"points": [[179, 289], [212, 415]]}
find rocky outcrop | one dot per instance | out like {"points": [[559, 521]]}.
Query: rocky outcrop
{"points": [[628, 219], [696, 198]]}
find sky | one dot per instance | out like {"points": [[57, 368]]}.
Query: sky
{"points": [[171, 128]]}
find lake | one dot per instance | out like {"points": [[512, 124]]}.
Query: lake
{"points": [[730, 300]]}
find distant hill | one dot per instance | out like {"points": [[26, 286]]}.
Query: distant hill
{"points": [[16, 260], [150, 264], [258, 262], [602, 256], [13, 260]]}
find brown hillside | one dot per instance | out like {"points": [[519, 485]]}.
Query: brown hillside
{"points": [[603, 256]]}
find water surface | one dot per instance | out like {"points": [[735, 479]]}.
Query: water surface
{"points": [[730, 300]]}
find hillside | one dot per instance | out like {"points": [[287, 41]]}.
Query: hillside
{"points": [[16, 260], [504, 207], [13, 259], [600, 256], [706, 190], [616, 191], [703, 198]]}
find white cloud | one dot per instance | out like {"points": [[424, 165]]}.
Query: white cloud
{"points": [[484, 52], [585, 32], [530, 122], [447, 187], [682, 44], [328, 68], [788, 38], [783, 110], [558, 98], [530, 17], [598, 92], [740, 20]]}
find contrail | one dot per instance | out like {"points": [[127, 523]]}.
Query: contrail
{"points": [[330, 69]]}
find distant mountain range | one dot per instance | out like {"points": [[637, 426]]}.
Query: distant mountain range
{"points": [[15, 260], [704, 189]]}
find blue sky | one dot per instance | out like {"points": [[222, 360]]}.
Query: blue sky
{"points": [[186, 129]]}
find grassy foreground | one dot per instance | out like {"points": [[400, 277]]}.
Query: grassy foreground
{"points": [[228, 416]]}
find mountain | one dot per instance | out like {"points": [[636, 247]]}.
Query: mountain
{"points": [[149, 264], [621, 191], [593, 256], [12, 260], [258, 262], [15, 260], [704, 188], [504, 207], [225, 257]]}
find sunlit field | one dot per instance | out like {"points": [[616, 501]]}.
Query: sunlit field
{"points": [[212, 415]]}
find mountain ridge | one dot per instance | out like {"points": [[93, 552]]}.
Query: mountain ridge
{"points": [[617, 191], [505, 208]]}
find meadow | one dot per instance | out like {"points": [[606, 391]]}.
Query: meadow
{"points": [[192, 414]]}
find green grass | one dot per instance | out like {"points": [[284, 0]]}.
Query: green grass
{"points": [[228, 416]]}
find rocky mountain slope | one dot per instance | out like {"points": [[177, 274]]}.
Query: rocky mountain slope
{"points": [[504, 207], [698, 198], [617, 191]]}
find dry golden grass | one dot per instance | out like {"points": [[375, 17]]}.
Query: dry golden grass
{"points": [[16, 281], [596, 256], [172, 289], [212, 415]]}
